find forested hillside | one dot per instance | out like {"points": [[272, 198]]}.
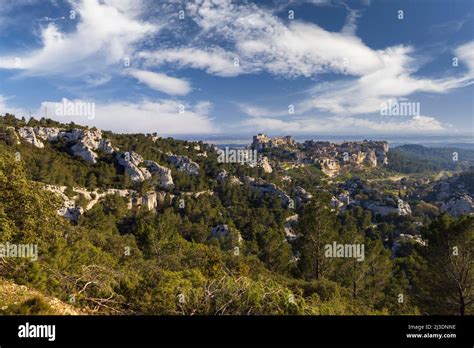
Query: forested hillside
{"points": [[218, 243]]}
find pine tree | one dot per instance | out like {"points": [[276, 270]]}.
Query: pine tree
{"points": [[318, 227], [447, 280]]}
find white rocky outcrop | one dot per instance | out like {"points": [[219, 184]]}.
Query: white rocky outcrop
{"points": [[265, 165], [105, 145], [163, 173], [84, 152], [403, 208], [459, 205], [72, 211], [329, 166], [28, 133], [290, 223], [85, 142], [130, 161], [69, 210], [88, 142], [371, 158], [47, 133], [183, 164], [149, 200]]}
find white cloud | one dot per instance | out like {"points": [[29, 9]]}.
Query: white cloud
{"points": [[349, 125], [258, 111], [5, 108], [394, 79], [146, 116], [161, 82], [264, 42], [104, 35], [214, 60]]}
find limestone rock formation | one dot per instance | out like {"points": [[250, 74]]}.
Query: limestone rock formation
{"points": [[164, 174], [130, 161], [371, 158], [459, 205], [149, 200], [183, 164], [28, 133], [84, 142], [290, 223], [403, 208], [47, 133], [265, 165]]}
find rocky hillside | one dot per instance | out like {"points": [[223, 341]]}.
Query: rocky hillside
{"points": [[135, 223]]}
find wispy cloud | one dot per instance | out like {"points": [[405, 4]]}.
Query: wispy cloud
{"points": [[102, 37], [162, 116], [161, 82], [349, 125]]}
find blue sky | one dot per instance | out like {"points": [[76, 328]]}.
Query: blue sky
{"points": [[241, 67]]}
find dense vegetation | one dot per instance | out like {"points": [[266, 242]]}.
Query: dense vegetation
{"points": [[420, 159]]}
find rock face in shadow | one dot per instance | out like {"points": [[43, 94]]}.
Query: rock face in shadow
{"points": [[130, 161], [459, 205]]}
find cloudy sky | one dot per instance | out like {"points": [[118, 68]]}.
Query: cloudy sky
{"points": [[241, 67]]}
